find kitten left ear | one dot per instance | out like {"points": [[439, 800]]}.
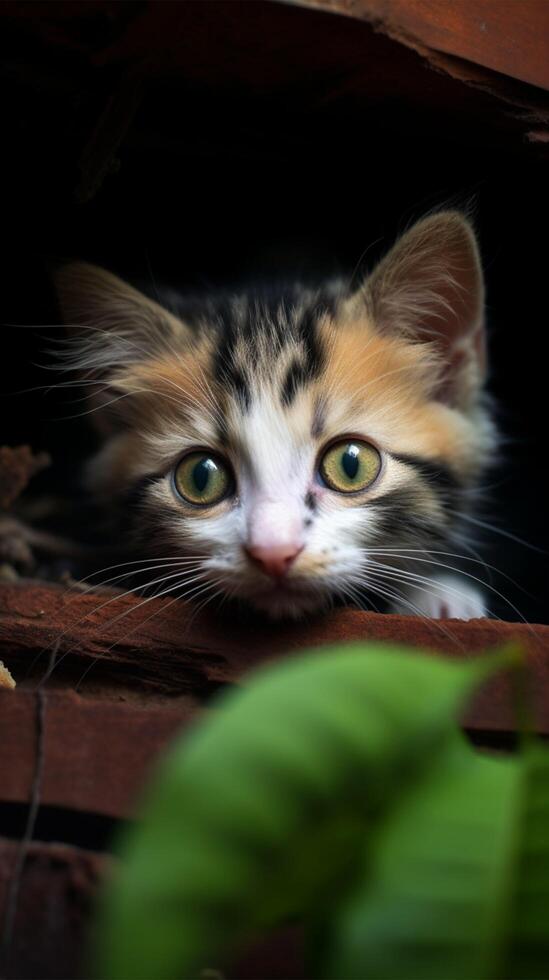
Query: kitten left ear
{"points": [[92, 298], [430, 288], [112, 328]]}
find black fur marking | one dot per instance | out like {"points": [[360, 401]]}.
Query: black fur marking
{"points": [[304, 370], [402, 510], [317, 426], [225, 369], [240, 387], [296, 378], [280, 317], [311, 502], [314, 355], [401, 519], [226, 348], [134, 496], [133, 501], [436, 473]]}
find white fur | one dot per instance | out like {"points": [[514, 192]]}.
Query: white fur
{"points": [[445, 597]]}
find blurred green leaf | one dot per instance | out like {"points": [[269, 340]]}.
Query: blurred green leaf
{"points": [[524, 933], [457, 882], [262, 810]]}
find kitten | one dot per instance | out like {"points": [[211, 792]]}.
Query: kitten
{"points": [[290, 449]]}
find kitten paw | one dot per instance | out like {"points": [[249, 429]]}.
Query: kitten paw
{"points": [[447, 597]]}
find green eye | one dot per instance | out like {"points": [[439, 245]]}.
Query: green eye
{"points": [[350, 466], [203, 479]]}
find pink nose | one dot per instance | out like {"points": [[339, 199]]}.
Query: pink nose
{"points": [[274, 560]]}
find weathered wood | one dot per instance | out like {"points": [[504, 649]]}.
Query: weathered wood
{"points": [[369, 59], [170, 647], [97, 754], [163, 660], [57, 888], [507, 36]]}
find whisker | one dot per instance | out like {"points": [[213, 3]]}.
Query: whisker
{"points": [[347, 591], [405, 576], [498, 530], [130, 632], [405, 552], [138, 561], [178, 563], [475, 578], [400, 598], [76, 598], [111, 622]]}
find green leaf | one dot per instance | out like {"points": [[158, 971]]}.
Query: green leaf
{"points": [[258, 813], [525, 947], [457, 883]]}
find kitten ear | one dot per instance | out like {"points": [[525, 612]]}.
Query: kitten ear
{"points": [[102, 310], [430, 287], [112, 327]]}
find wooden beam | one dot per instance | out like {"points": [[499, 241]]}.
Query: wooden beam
{"points": [[507, 36], [58, 886], [169, 647], [57, 895], [97, 754], [164, 661]]}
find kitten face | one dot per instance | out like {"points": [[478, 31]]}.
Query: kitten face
{"points": [[283, 449]]}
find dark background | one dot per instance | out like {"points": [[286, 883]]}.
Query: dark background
{"points": [[253, 139]]}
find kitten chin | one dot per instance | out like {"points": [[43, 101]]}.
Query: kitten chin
{"points": [[285, 603], [323, 429]]}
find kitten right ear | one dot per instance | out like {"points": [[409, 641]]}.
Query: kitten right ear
{"points": [[112, 318], [112, 327]]}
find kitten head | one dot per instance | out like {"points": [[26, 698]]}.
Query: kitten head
{"points": [[283, 449]]}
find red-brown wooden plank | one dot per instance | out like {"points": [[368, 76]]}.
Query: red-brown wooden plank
{"points": [[507, 36], [97, 754], [171, 647], [57, 888], [98, 751]]}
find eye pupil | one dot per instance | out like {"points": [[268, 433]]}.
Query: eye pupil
{"points": [[350, 461], [201, 473]]}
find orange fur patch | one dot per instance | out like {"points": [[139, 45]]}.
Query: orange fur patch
{"points": [[388, 386]]}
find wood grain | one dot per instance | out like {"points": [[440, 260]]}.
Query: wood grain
{"points": [[507, 36], [97, 755], [171, 647], [58, 886], [156, 665]]}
